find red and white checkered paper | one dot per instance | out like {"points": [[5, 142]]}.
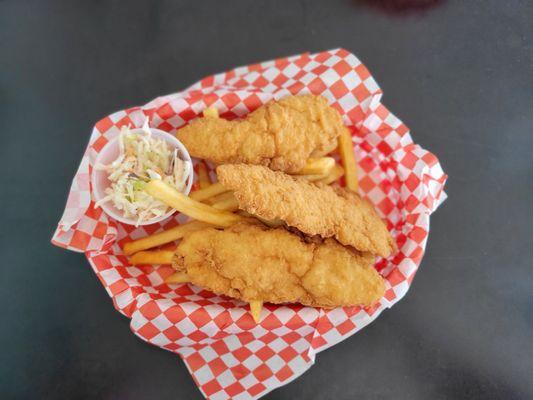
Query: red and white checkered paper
{"points": [[227, 354]]}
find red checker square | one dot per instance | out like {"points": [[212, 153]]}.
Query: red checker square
{"points": [[230, 100], [165, 126], [268, 337], [411, 203], [240, 83], [417, 234], [165, 111], [172, 347], [252, 102], [287, 354], [260, 82], [319, 70], [281, 63], [321, 57], [362, 71], [245, 337], [318, 342], [265, 353], [296, 87], [99, 143], [367, 164], [148, 331], [125, 121], [390, 295], [102, 262], [338, 89], [210, 98], [284, 373], [385, 148], [93, 213], [241, 354], [187, 114], [382, 111], [280, 79], [173, 333], [386, 206], [255, 67], [256, 389], [217, 366], [197, 336], [356, 114], [206, 82], [291, 337], [220, 347], [317, 85], [195, 361], [342, 67], [345, 327], [80, 240], [234, 389], [200, 317], [402, 129], [223, 320], [271, 321], [412, 182], [409, 160], [211, 387], [239, 371], [104, 124], [100, 230], [150, 310], [430, 159], [324, 326], [118, 287], [342, 53], [175, 313], [361, 92], [416, 255], [395, 277], [302, 61], [262, 372], [295, 322]]}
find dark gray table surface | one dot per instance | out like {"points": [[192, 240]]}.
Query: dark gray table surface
{"points": [[459, 73]]}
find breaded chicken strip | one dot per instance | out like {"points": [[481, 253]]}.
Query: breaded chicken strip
{"points": [[312, 209], [281, 135], [252, 262]]}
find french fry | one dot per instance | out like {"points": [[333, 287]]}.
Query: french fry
{"points": [[204, 194], [152, 257], [317, 166], [228, 204], [178, 277], [203, 176], [188, 206], [211, 112], [220, 197], [160, 238], [178, 232], [348, 160], [335, 174], [255, 309]]}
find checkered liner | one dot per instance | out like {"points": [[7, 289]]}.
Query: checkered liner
{"points": [[228, 355]]}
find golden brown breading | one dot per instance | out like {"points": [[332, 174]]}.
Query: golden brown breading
{"points": [[312, 209], [281, 135], [252, 262]]}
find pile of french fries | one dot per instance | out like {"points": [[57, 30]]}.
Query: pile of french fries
{"points": [[214, 205]]}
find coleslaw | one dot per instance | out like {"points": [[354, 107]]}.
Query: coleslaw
{"points": [[142, 158]]}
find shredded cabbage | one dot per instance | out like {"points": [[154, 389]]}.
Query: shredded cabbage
{"points": [[142, 158]]}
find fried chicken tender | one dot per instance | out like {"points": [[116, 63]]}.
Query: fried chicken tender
{"points": [[312, 209], [255, 263], [281, 135]]}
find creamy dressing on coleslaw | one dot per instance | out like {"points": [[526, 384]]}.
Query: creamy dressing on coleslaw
{"points": [[142, 158]]}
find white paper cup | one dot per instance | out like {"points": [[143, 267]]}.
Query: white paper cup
{"points": [[109, 153]]}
